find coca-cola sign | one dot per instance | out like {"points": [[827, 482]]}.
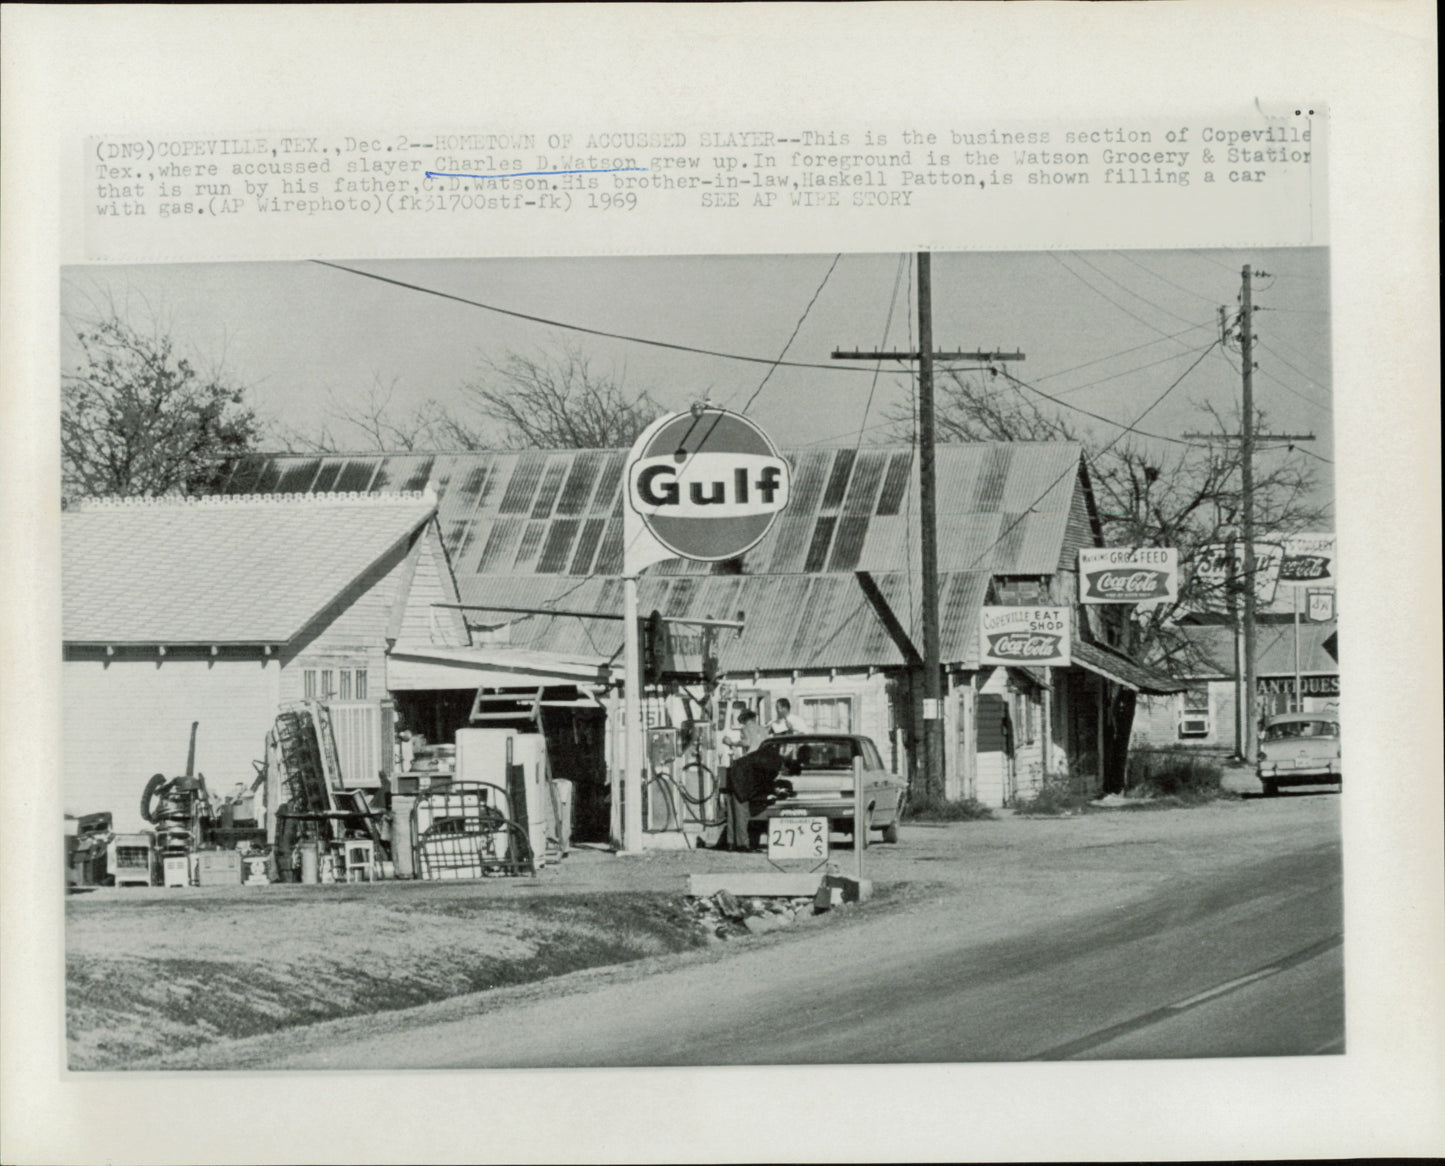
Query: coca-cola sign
{"points": [[1038, 636], [1023, 646], [1309, 560], [1128, 574]]}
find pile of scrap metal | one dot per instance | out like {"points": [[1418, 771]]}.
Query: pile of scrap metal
{"points": [[310, 814], [87, 850]]}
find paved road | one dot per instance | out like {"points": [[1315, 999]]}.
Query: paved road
{"points": [[1234, 956]]}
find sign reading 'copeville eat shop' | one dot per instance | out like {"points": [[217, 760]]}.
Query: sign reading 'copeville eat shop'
{"points": [[707, 484], [1128, 574], [1039, 636]]}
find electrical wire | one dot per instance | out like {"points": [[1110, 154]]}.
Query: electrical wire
{"points": [[1150, 271], [1104, 295], [1311, 401], [1125, 288], [1123, 352], [589, 331], [1268, 347], [1123, 429], [878, 367]]}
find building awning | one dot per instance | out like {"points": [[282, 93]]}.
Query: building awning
{"points": [[1115, 666], [412, 668]]}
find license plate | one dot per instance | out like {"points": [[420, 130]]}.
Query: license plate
{"points": [[798, 838]]}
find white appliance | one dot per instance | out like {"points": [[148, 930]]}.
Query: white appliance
{"points": [[484, 754]]}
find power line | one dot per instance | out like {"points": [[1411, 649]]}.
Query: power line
{"points": [[1280, 357], [1311, 401], [1129, 428], [1123, 429], [796, 328], [1123, 352], [1104, 295], [1177, 286], [887, 328], [1126, 289], [588, 331], [1137, 368]]}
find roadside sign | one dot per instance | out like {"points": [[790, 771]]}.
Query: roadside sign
{"points": [[1128, 574], [1321, 605], [1211, 567], [797, 838], [1039, 636], [707, 484], [1309, 560]]}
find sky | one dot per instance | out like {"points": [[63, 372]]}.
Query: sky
{"points": [[1108, 332]]}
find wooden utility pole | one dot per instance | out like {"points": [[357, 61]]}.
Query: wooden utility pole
{"points": [[1247, 437], [933, 747], [1246, 477]]}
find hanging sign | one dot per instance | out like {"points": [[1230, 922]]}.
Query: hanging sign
{"points": [[1128, 574], [1039, 636], [1211, 568], [704, 485], [1309, 560]]}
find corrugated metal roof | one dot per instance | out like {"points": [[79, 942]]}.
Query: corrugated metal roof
{"points": [[1002, 507], [792, 621], [220, 570]]}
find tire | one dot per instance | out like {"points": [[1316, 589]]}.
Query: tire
{"points": [[1271, 789], [890, 832], [152, 787]]}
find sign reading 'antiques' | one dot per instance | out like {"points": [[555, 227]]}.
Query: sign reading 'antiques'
{"points": [[1128, 574], [1024, 635]]}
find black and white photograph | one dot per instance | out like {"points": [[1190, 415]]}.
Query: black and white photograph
{"points": [[664, 583], [384, 750]]}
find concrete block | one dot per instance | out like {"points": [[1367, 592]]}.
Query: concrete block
{"points": [[762, 924], [854, 890], [755, 883]]}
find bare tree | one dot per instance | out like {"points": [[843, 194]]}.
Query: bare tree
{"points": [[553, 400], [375, 422], [556, 400], [1189, 497], [138, 419]]}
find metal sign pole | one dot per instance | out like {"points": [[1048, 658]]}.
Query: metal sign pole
{"points": [[860, 818], [1299, 704], [632, 718]]}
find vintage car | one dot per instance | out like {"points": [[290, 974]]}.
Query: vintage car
{"points": [[816, 772], [1299, 749]]}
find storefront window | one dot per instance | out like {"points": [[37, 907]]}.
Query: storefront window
{"points": [[827, 714]]}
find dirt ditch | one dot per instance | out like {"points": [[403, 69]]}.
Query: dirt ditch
{"points": [[146, 979]]}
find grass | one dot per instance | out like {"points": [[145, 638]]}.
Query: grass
{"points": [[1068, 793], [930, 809], [155, 979], [1175, 774]]}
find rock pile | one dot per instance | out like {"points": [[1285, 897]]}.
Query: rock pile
{"points": [[726, 915]]}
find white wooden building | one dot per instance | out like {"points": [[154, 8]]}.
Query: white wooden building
{"points": [[218, 610]]}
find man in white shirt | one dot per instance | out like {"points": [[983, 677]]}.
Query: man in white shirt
{"points": [[786, 721]]}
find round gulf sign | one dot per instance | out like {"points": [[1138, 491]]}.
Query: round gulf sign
{"points": [[707, 484]]}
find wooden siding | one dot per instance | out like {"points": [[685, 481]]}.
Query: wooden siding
{"points": [[431, 583]]}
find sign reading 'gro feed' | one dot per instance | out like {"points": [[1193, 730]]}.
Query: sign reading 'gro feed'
{"points": [[1128, 574], [1024, 635], [707, 484]]}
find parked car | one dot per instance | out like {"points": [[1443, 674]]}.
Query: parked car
{"points": [[817, 777], [1299, 749]]}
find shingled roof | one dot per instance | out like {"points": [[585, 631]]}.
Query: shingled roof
{"points": [[1002, 507], [220, 570]]}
